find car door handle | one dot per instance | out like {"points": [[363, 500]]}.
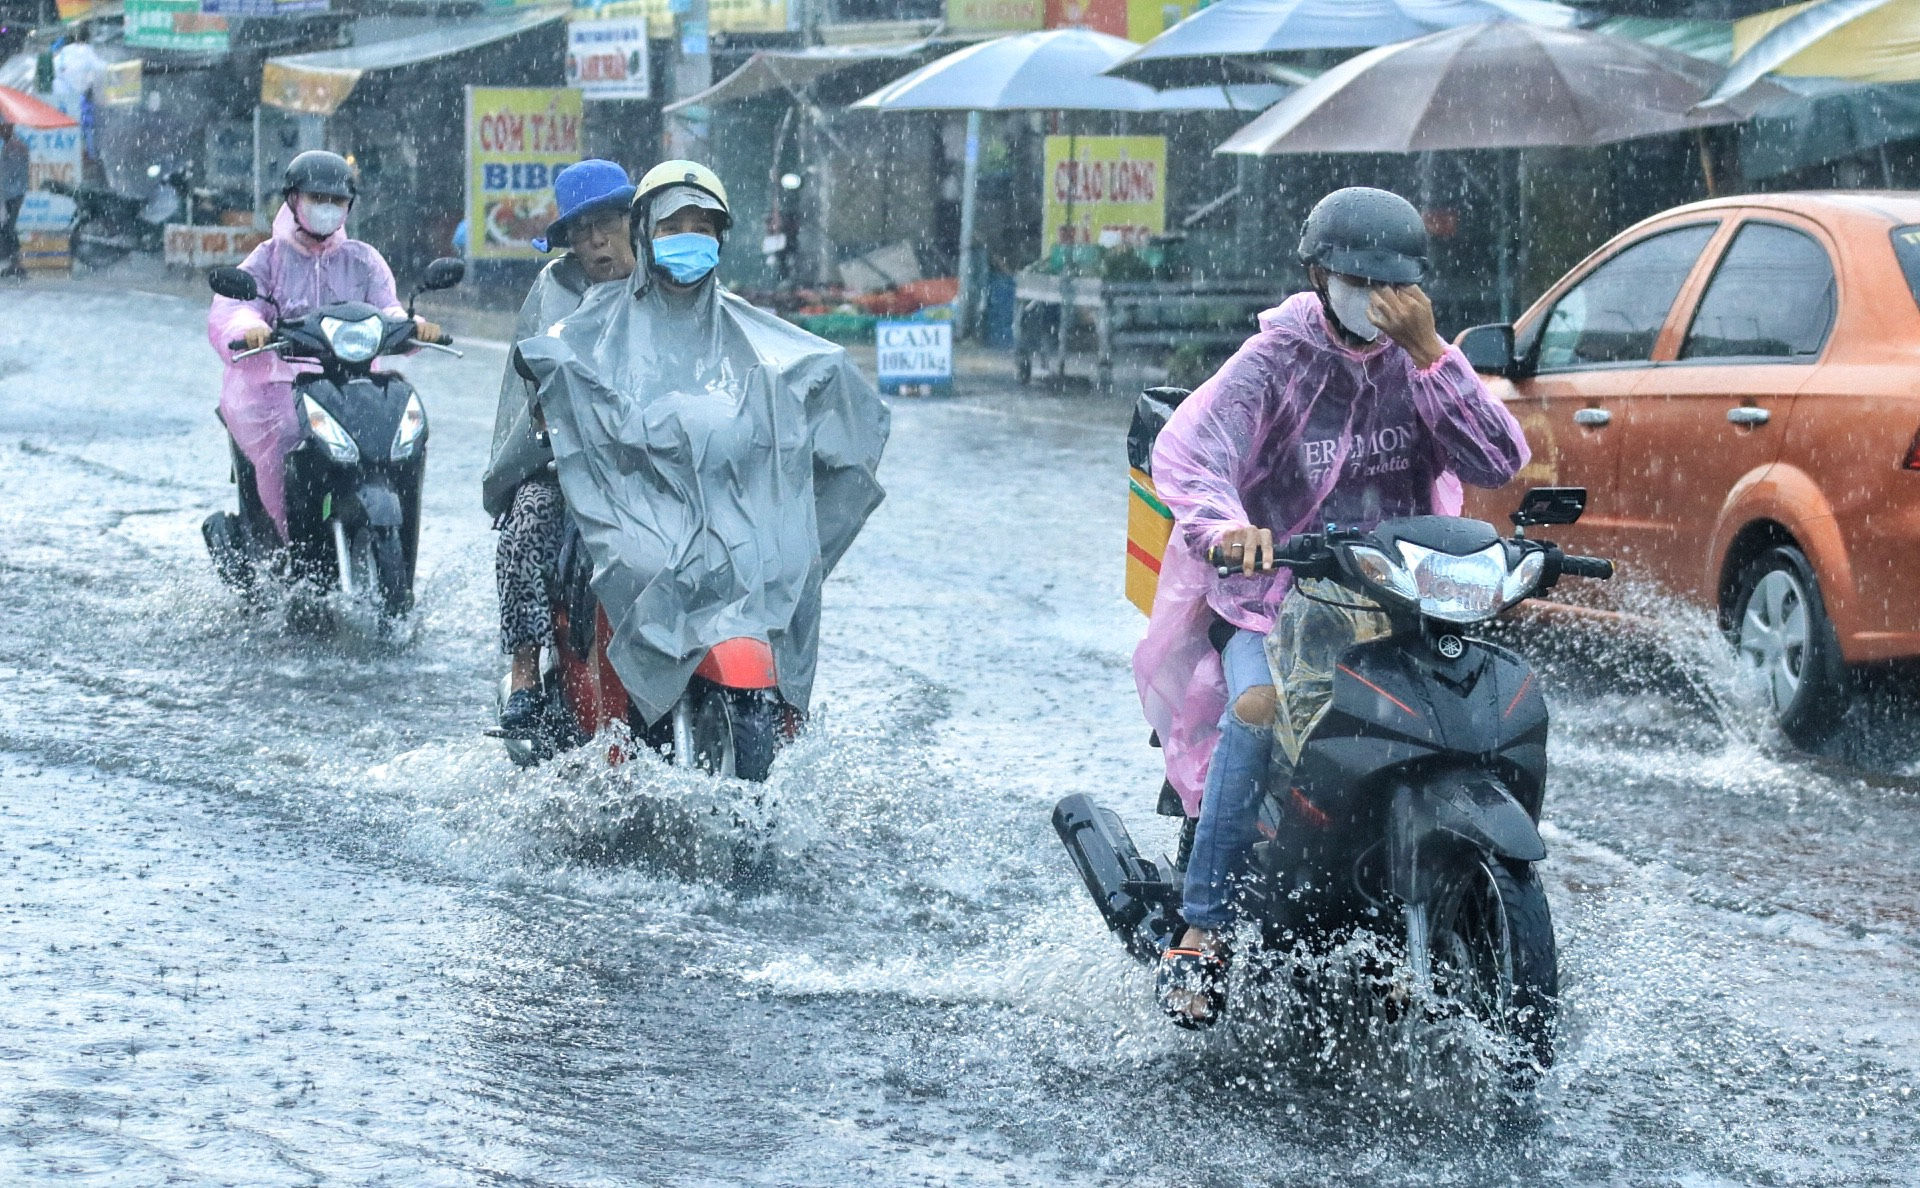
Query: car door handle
{"points": [[1593, 418], [1748, 415]]}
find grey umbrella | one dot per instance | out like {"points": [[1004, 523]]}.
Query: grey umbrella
{"points": [[1237, 40], [1496, 86]]}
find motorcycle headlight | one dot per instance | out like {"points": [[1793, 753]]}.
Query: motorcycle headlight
{"points": [[340, 446], [354, 342], [1521, 581], [1383, 571], [1454, 589], [413, 423]]}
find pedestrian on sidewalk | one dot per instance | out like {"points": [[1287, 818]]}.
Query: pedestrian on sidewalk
{"points": [[14, 162]]}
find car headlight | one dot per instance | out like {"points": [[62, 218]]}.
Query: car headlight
{"points": [[339, 445], [1455, 589], [413, 423], [354, 342]]}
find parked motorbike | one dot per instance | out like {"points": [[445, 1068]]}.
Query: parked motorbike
{"points": [[730, 720], [353, 481], [109, 226], [1415, 804]]}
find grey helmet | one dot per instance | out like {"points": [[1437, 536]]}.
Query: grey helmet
{"points": [[320, 172], [1368, 233]]}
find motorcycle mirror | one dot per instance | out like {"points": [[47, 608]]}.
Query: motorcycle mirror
{"points": [[1550, 505], [444, 273], [235, 283]]}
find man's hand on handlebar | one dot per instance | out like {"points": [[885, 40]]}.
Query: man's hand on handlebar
{"points": [[256, 337], [1249, 548]]}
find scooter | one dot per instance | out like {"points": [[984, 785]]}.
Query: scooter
{"points": [[108, 226], [730, 720], [1413, 812], [353, 481]]}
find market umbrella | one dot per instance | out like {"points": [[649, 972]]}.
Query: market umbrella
{"points": [[1055, 70], [1494, 86], [1243, 39], [23, 110], [1860, 40]]}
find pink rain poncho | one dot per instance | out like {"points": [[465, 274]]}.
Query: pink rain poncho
{"points": [[256, 397], [1298, 430]]}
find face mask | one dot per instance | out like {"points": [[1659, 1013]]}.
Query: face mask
{"points": [[320, 219], [686, 257], [1350, 303]]}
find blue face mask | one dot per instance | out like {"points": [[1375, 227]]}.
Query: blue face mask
{"points": [[686, 257]]}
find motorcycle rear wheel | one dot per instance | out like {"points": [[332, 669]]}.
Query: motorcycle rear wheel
{"points": [[1492, 954], [93, 247]]}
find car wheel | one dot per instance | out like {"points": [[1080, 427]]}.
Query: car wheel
{"points": [[1786, 647]]}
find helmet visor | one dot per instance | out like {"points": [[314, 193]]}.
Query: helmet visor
{"points": [[675, 198]]}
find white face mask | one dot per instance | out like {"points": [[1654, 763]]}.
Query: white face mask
{"points": [[321, 219], [1350, 303]]}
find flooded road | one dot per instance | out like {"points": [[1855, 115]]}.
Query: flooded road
{"points": [[277, 913]]}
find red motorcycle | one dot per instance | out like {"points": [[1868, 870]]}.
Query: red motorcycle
{"points": [[729, 721]]}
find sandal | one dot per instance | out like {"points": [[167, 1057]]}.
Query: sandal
{"points": [[1184, 973]]}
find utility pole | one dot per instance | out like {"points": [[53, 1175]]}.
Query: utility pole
{"points": [[689, 131]]}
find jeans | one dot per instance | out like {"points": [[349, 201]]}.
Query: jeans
{"points": [[1230, 808]]}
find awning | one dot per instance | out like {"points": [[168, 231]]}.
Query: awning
{"points": [[791, 70], [317, 84]]}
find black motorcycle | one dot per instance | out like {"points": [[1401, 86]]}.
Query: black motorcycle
{"points": [[353, 481], [1413, 811], [108, 226]]}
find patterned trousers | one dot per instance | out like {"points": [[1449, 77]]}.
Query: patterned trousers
{"points": [[530, 534]]}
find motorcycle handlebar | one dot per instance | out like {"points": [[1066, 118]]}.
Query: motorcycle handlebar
{"points": [[1598, 568], [1288, 551]]}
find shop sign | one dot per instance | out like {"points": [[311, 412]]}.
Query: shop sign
{"points": [[517, 139], [1110, 192], [1148, 19], [53, 155], [996, 16], [122, 84], [723, 16], [915, 358], [205, 247], [262, 8], [607, 59], [175, 25], [73, 10]]}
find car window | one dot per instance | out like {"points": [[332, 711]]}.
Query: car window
{"points": [[1615, 314], [1773, 296], [1906, 246]]}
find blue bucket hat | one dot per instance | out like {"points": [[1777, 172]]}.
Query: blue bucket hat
{"points": [[583, 188]]}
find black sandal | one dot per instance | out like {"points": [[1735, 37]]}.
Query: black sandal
{"points": [[1192, 971]]}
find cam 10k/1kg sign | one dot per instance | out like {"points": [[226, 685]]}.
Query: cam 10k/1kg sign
{"points": [[517, 139], [1105, 190], [914, 358]]}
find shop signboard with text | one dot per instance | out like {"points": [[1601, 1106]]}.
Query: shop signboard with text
{"points": [[175, 25], [1108, 191], [517, 139], [607, 59], [996, 16], [914, 358]]}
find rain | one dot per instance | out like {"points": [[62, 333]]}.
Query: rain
{"points": [[288, 895]]}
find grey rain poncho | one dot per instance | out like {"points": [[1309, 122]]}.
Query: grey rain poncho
{"points": [[718, 462], [517, 454]]}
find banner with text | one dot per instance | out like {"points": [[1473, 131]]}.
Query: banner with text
{"points": [[175, 25], [1111, 191], [53, 155], [607, 59], [517, 139]]}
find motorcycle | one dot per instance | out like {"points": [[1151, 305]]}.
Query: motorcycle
{"points": [[1414, 808], [730, 720], [353, 481], [108, 226]]}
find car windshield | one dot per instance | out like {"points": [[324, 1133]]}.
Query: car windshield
{"points": [[1906, 246]]}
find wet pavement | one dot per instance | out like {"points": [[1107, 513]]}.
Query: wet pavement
{"points": [[275, 912]]}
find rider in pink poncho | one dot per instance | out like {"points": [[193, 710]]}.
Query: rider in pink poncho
{"points": [[308, 263], [1346, 408]]}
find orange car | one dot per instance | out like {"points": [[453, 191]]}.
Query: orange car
{"points": [[1737, 385]]}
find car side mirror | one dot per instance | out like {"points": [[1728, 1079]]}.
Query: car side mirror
{"points": [[236, 284], [1489, 349], [1550, 505], [444, 273]]}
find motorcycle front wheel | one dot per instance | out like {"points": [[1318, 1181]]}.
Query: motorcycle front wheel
{"points": [[1492, 955], [93, 246]]}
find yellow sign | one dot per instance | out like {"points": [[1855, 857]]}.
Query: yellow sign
{"points": [[122, 84], [517, 139], [723, 16], [1110, 192], [1148, 19], [305, 89], [996, 16]]}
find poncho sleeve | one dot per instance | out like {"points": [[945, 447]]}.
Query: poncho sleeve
{"points": [[1478, 438], [1199, 454]]}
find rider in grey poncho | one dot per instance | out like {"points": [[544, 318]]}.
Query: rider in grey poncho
{"points": [[717, 460]]}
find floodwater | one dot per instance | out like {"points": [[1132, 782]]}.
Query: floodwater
{"points": [[275, 912]]}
